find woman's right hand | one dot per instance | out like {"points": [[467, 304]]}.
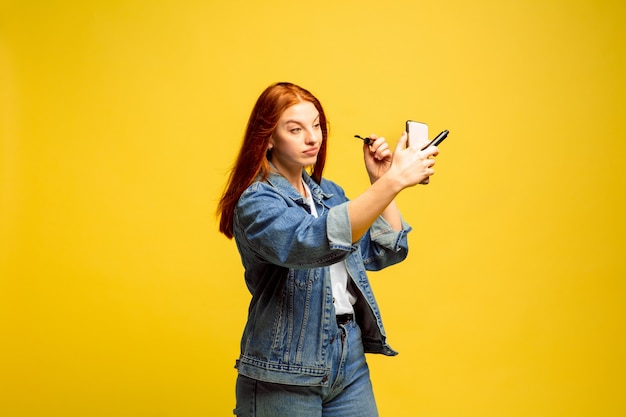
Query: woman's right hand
{"points": [[412, 166]]}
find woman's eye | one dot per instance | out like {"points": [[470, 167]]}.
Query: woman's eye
{"points": [[316, 126], [296, 130]]}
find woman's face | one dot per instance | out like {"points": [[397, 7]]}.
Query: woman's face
{"points": [[297, 138]]}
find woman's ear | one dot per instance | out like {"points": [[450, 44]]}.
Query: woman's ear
{"points": [[268, 151]]}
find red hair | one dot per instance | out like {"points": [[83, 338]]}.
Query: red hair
{"points": [[252, 161]]}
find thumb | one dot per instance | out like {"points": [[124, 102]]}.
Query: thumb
{"points": [[401, 142]]}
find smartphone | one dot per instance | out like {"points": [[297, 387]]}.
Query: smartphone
{"points": [[417, 133]]}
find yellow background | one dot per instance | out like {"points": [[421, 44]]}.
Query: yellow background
{"points": [[120, 119]]}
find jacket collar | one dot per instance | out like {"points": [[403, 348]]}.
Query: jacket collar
{"points": [[276, 180]]}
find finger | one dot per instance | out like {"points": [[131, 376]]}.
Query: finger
{"points": [[372, 139], [378, 146], [401, 142], [381, 147], [430, 172], [431, 151], [384, 153], [376, 142]]}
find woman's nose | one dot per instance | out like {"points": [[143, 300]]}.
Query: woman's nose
{"points": [[312, 136]]}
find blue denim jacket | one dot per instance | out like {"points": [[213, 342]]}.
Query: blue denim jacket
{"points": [[286, 252]]}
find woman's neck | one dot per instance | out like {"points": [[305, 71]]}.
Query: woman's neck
{"points": [[294, 177]]}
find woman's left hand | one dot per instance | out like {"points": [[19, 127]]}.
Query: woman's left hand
{"points": [[377, 156]]}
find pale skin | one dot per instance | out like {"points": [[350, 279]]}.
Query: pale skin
{"points": [[296, 142]]}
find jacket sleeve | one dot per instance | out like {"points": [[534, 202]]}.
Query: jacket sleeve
{"points": [[281, 232], [381, 246]]}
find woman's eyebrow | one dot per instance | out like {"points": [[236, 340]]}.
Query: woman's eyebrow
{"points": [[300, 121]]}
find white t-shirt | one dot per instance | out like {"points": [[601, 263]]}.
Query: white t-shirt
{"points": [[342, 298]]}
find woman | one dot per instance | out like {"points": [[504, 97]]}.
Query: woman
{"points": [[305, 248]]}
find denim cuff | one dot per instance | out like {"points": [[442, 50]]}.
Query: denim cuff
{"points": [[382, 233], [338, 228], [340, 234]]}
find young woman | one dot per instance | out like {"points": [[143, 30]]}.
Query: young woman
{"points": [[305, 248]]}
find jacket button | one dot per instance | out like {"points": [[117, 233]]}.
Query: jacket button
{"points": [[332, 339], [325, 378]]}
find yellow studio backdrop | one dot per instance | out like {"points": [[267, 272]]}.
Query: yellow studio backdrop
{"points": [[119, 121]]}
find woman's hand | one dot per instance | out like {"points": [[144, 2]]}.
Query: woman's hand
{"points": [[412, 166], [377, 156]]}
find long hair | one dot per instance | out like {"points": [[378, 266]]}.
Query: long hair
{"points": [[252, 160]]}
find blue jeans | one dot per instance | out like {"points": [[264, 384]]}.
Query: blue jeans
{"points": [[349, 393]]}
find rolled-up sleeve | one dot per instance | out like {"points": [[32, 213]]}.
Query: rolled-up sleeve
{"points": [[338, 228], [340, 233], [383, 246], [383, 234], [380, 233]]}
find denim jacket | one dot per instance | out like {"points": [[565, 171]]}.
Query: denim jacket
{"points": [[286, 252]]}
